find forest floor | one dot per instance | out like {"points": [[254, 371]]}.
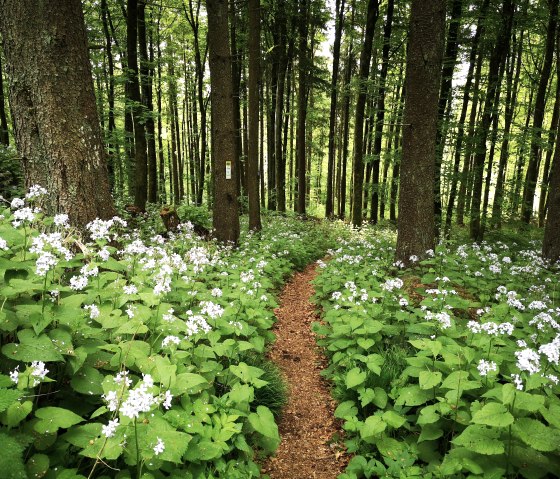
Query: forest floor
{"points": [[311, 446]]}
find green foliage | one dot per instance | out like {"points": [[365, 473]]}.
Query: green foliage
{"points": [[449, 369], [127, 351], [11, 176]]}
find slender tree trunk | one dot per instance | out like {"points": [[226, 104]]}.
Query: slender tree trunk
{"points": [[496, 60], [225, 215], [358, 166], [302, 107], [532, 174], [551, 245], [173, 159], [161, 156], [449, 62], [380, 117], [279, 113], [416, 224], [253, 118], [4, 136], [339, 12], [236, 75], [53, 104]]}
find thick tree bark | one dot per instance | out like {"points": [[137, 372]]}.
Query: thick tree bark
{"points": [[253, 119], [551, 244], [416, 224], [339, 13], [358, 166], [225, 217], [532, 174], [51, 94], [497, 59]]}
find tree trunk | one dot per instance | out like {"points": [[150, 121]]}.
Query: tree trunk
{"points": [[450, 59], [279, 113], [225, 217], [497, 59], [532, 174], [302, 107], [358, 166], [339, 12], [53, 103], [380, 117], [416, 223], [551, 245], [253, 119], [146, 76], [4, 137], [173, 158]]}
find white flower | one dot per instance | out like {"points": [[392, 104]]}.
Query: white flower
{"points": [[3, 244], [216, 292], [93, 310], [35, 191], [130, 289], [528, 360], [130, 312], [517, 381], [211, 309], [109, 429], [159, 447], [89, 269], [112, 400], [170, 339], [14, 375], [391, 284], [77, 283], [104, 253], [484, 367], [336, 296], [17, 203], [168, 397], [61, 220]]}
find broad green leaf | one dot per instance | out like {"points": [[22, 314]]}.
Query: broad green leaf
{"points": [[16, 413], [427, 345], [365, 343], [11, 458], [493, 414], [374, 363], [413, 396], [54, 418], [528, 401], [248, 374], [366, 396], [87, 381], [263, 422], [204, 450], [480, 439], [429, 379], [346, 409], [187, 381], [428, 415], [552, 414], [380, 399], [32, 348], [536, 435], [81, 436], [371, 428], [37, 466], [393, 419], [8, 397], [355, 377]]}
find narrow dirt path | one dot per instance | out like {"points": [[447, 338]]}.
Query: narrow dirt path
{"points": [[307, 426]]}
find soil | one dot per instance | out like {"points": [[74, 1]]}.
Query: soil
{"points": [[311, 446]]}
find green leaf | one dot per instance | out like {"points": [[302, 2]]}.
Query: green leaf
{"points": [[8, 397], [54, 418], [355, 377], [204, 450], [188, 381], [11, 458], [81, 436], [263, 422], [430, 432], [536, 435], [87, 381], [552, 415], [374, 363], [16, 413], [371, 428], [32, 348], [248, 374], [346, 409], [480, 439], [427, 345], [429, 379], [413, 396], [493, 414], [37, 466], [527, 401], [393, 419], [428, 415]]}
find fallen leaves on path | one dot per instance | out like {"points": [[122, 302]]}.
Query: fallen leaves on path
{"points": [[308, 428]]}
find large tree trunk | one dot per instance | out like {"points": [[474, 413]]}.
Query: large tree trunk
{"points": [[52, 99], [225, 217], [358, 166], [416, 224], [253, 144], [551, 245], [540, 102]]}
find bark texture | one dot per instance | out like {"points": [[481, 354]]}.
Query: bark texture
{"points": [[226, 219], [416, 224], [51, 93]]}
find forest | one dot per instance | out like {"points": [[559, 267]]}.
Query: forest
{"points": [[279, 239]]}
